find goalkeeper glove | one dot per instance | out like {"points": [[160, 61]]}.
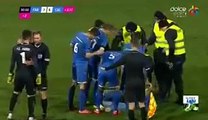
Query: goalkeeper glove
{"points": [[10, 78], [38, 79]]}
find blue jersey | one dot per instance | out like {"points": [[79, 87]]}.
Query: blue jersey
{"points": [[109, 58], [100, 41], [141, 49], [81, 45]]}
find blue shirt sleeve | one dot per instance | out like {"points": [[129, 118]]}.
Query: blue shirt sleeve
{"points": [[87, 46]]}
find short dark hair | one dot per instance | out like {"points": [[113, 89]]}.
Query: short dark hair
{"points": [[94, 31], [98, 23], [37, 32], [163, 23], [159, 15], [135, 39], [131, 26], [26, 34]]}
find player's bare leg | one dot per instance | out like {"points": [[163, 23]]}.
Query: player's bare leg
{"points": [[131, 111]]}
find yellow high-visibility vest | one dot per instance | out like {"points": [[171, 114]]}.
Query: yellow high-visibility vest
{"points": [[179, 41], [157, 31], [126, 34]]}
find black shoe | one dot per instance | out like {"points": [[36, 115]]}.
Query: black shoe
{"points": [[72, 108], [44, 115]]}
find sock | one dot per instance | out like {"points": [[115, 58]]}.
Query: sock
{"points": [[131, 115], [13, 102], [99, 98], [143, 113], [116, 100], [44, 103], [71, 96], [31, 100], [95, 88], [82, 99], [88, 87]]}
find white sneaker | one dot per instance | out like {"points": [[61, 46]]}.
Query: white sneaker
{"points": [[9, 117], [31, 118]]}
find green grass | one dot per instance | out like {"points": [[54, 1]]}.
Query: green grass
{"points": [[59, 29]]}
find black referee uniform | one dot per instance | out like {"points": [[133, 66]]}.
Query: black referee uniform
{"points": [[23, 74], [135, 63], [43, 59]]}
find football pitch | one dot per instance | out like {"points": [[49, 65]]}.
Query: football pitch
{"points": [[59, 29]]}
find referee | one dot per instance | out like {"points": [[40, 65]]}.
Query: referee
{"points": [[135, 63], [43, 59]]}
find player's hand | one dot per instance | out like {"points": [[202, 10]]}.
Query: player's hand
{"points": [[38, 79], [10, 78], [29, 62]]}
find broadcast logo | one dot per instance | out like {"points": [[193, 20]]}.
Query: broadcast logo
{"points": [[179, 11], [191, 102], [194, 11]]}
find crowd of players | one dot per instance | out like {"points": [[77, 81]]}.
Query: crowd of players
{"points": [[95, 61]]}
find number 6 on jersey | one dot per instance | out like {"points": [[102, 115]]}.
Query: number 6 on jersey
{"points": [[76, 48]]}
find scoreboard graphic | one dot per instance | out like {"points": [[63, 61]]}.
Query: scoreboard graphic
{"points": [[25, 12]]}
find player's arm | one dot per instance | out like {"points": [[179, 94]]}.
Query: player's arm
{"points": [[121, 61], [88, 53], [13, 61], [47, 56], [143, 37], [151, 39], [148, 68], [10, 77], [170, 36]]}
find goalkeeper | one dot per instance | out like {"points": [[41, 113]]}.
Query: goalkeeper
{"points": [[24, 58]]}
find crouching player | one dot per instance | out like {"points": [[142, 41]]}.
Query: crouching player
{"points": [[110, 76]]}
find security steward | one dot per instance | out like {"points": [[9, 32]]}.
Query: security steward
{"points": [[171, 52]]}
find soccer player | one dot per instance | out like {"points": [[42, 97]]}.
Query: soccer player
{"points": [[43, 59], [100, 43], [135, 63], [92, 72], [110, 77], [81, 55], [22, 55]]}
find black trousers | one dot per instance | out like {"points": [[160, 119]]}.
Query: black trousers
{"points": [[166, 76], [176, 74], [162, 73]]}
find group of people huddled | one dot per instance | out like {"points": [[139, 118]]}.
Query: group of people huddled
{"points": [[96, 63]]}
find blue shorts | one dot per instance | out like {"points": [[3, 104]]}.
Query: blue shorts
{"points": [[109, 76], [74, 75], [81, 71]]}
